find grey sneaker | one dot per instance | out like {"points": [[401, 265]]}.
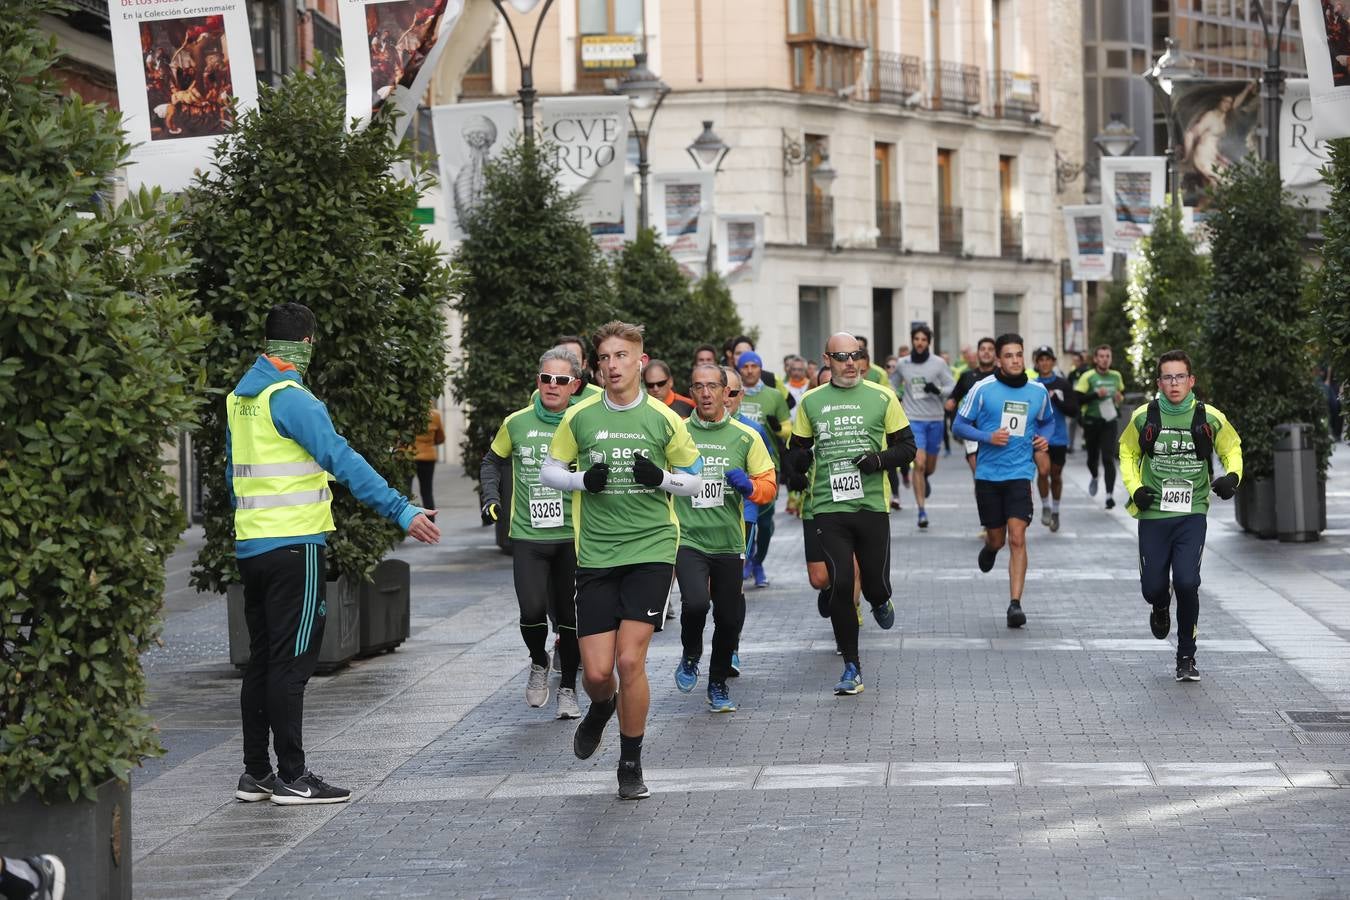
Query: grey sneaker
{"points": [[1045, 516], [251, 789], [536, 689], [567, 704], [1054, 521]]}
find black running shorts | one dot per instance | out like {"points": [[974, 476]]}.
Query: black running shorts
{"points": [[606, 597], [1000, 501], [1058, 455]]}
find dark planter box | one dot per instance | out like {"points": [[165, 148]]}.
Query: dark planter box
{"points": [[1255, 507], [341, 632], [385, 608], [92, 837]]}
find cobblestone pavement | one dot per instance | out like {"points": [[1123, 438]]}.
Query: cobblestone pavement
{"points": [[1058, 760]]}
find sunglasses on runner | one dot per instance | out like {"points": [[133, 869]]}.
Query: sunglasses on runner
{"points": [[734, 392], [845, 355], [563, 380], [653, 385]]}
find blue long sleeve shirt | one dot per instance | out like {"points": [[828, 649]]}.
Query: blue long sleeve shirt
{"points": [[991, 404]]}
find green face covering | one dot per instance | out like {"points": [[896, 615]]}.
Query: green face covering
{"points": [[297, 353]]}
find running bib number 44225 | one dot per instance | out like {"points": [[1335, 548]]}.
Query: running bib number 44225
{"points": [[1015, 417], [845, 481], [546, 507], [1176, 496]]}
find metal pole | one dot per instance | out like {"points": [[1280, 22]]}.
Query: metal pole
{"points": [[1272, 79], [643, 169], [1174, 160], [527, 95]]}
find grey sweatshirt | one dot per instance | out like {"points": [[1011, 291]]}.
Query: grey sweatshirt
{"points": [[909, 380]]}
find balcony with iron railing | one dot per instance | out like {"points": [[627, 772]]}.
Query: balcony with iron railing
{"points": [[1010, 235], [894, 78], [951, 229], [819, 221], [1015, 95], [890, 232], [953, 86]]}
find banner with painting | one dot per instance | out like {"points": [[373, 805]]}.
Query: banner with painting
{"points": [[1219, 123], [390, 49], [740, 246], [1325, 28], [1302, 155], [468, 137], [1132, 187], [182, 77], [681, 207], [589, 136], [611, 236], [1089, 259]]}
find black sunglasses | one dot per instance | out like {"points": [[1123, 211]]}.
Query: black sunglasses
{"points": [[845, 355], [734, 392], [564, 380], [653, 385]]}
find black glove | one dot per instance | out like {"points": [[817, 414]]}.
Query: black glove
{"points": [[1226, 486], [791, 401], [798, 459], [596, 477], [1144, 497], [868, 463], [773, 424], [490, 512], [930, 388], [645, 472]]}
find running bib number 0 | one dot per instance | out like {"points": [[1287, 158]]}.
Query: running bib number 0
{"points": [[1176, 496], [845, 481], [546, 507], [711, 494], [1015, 418]]}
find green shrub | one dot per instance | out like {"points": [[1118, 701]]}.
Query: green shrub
{"points": [[1331, 309], [1261, 366], [528, 271], [99, 355], [304, 210], [712, 319], [1168, 292], [1111, 326]]}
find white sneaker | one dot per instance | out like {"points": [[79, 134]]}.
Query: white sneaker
{"points": [[536, 689], [567, 704]]}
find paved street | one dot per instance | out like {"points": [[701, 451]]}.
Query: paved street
{"points": [[1059, 760]]}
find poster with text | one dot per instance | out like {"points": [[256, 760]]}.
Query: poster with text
{"points": [[178, 73], [740, 246], [610, 237], [1089, 259], [590, 137], [1219, 122], [468, 137], [681, 206], [390, 49], [1325, 27], [1302, 155], [1132, 187]]}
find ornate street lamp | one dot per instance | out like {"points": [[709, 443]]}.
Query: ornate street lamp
{"points": [[1117, 138], [1272, 80], [527, 91], [1171, 69], [645, 92], [708, 149]]}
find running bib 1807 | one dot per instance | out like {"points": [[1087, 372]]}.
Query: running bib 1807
{"points": [[546, 507], [1015, 417], [710, 496], [845, 481], [1176, 496]]}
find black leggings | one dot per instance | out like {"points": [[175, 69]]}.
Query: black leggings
{"points": [[843, 536], [1101, 442], [426, 468], [546, 572], [710, 580], [1169, 552]]}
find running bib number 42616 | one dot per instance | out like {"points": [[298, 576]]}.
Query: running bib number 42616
{"points": [[1176, 496], [845, 482], [546, 507], [1015, 417]]}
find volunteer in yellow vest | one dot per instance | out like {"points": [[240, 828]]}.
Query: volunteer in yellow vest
{"points": [[280, 448], [1165, 454]]}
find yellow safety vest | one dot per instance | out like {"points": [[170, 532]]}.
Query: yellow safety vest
{"points": [[279, 488]]}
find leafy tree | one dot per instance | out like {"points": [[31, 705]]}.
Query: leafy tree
{"points": [[1262, 369], [1168, 292], [712, 317], [99, 354], [1331, 309], [1111, 326], [302, 209], [650, 288], [528, 271]]}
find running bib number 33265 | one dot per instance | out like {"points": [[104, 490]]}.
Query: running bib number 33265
{"points": [[1176, 496], [845, 481], [1015, 417], [546, 507]]}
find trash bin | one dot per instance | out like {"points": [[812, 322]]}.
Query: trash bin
{"points": [[1297, 509], [385, 608]]}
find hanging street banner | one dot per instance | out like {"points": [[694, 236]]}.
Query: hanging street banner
{"points": [[610, 237], [740, 246], [1219, 121], [1302, 155], [590, 138], [177, 74], [681, 207], [1088, 257], [1326, 46], [390, 49], [1132, 187], [468, 137]]}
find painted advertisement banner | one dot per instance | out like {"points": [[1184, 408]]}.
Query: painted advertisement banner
{"points": [[740, 246], [1302, 155], [178, 72], [590, 138], [1325, 27], [390, 49], [468, 137], [1219, 123], [611, 236], [681, 206], [1089, 258], [1132, 187]]}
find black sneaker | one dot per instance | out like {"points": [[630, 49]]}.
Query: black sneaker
{"points": [[591, 729], [251, 789], [1186, 670], [51, 873], [1016, 618], [1110, 502], [823, 603], [631, 786], [1160, 621], [987, 558], [308, 789]]}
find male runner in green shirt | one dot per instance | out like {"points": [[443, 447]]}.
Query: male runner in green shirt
{"points": [[626, 536], [1101, 391]]}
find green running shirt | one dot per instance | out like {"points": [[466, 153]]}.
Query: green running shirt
{"points": [[712, 522], [626, 523], [843, 423], [538, 512], [1089, 382]]}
